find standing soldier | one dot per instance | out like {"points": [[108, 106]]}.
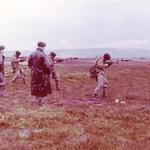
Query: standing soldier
{"points": [[40, 79], [17, 70], [54, 74], [98, 73], [2, 59], [2, 79]]}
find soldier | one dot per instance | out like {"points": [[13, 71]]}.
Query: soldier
{"points": [[17, 70], [2, 79], [2, 57], [54, 74], [98, 73], [40, 79]]}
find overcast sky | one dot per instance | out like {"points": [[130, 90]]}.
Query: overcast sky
{"points": [[75, 23]]}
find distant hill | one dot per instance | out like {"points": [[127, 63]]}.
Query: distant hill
{"points": [[93, 52]]}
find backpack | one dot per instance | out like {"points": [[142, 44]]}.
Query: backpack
{"points": [[93, 72]]}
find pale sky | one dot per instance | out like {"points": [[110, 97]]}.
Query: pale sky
{"points": [[75, 23]]}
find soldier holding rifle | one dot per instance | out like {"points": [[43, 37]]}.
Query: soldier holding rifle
{"points": [[98, 72], [2, 79], [17, 70], [54, 74]]}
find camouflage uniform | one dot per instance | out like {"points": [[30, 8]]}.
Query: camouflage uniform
{"points": [[2, 79], [54, 74], [2, 64], [17, 70], [101, 76], [1, 69]]}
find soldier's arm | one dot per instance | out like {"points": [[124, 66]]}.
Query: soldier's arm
{"points": [[15, 60], [22, 59], [110, 62], [59, 60]]}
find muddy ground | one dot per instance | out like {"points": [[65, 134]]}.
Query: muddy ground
{"points": [[69, 121]]}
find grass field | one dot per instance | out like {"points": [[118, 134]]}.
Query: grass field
{"points": [[75, 124]]}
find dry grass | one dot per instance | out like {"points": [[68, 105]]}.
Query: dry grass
{"points": [[25, 126]]}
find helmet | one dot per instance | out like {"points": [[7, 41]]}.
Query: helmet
{"points": [[18, 53], [53, 54], [107, 57]]}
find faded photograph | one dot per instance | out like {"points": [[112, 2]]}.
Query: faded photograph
{"points": [[74, 74]]}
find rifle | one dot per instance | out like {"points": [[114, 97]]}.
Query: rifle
{"points": [[22, 59], [59, 60], [109, 63], [93, 69]]}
